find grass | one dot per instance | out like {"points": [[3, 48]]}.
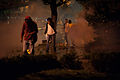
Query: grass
{"points": [[20, 65], [17, 66], [65, 74], [50, 67]]}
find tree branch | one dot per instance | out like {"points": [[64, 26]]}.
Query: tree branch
{"points": [[62, 2]]}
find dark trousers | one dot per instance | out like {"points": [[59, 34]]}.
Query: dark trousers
{"points": [[50, 38], [28, 45], [66, 37]]}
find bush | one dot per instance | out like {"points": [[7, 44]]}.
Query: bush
{"points": [[71, 61], [106, 62], [65, 74], [18, 66]]}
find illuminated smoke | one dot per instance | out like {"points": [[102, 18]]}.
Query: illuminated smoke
{"points": [[10, 29], [81, 33]]}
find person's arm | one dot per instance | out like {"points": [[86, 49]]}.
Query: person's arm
{"points": [[46, 29], [36, 29], [22, 33], [52, 25], [66, 27]]}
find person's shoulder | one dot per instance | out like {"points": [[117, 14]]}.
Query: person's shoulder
{"points": [[46, 24], [24, 24], [67, 24], [34, 22], [52, 23]]}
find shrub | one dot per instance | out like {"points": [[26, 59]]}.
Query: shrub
{"points": [[106, 62], [65, 74], [21, 65], [70, 61]]}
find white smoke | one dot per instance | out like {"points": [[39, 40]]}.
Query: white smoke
{"points": [[10, 29]]}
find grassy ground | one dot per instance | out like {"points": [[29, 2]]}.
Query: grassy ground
{"points": [[16, 66], [64, 74], [62, 65]]}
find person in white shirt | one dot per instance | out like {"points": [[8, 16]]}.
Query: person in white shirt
{"points": [[50, 33]]}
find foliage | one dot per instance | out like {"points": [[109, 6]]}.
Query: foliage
{"points": [[29, 64], [18, 66], [106, 62], [102, 15], [70, 61], [105, 10], [65, 74], [8, 4]]}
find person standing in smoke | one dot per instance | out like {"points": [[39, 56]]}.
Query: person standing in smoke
{"points": [[69, 31], [66, 26], [70, 24], [29, 33], [50, 33]]}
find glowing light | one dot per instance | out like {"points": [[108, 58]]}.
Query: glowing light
{"points": [[63, 0], [68, 3], [39, 28], [28, 51], [26, 1], [26, 7]]}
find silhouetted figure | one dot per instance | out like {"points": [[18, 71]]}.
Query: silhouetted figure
{"points": [[50, 33], [66, 26], [66, 21], [29, 33], [70, 24]]}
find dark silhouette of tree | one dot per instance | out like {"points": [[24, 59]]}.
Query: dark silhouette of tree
{"points": [[104, 9], [105, 21]]}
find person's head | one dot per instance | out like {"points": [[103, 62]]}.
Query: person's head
{"points": [[66, 20], [70, 21], [28, 19], [49, 20]]}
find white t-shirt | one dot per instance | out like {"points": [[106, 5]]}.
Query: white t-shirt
{"points": [[50, 30]]}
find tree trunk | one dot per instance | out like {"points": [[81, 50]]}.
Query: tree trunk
{"points": [[53, 7]]}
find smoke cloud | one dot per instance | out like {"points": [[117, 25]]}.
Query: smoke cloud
{"points": [[81, 32], [10, 29]]}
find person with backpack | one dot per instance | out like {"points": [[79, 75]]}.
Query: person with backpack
{"points": [[29, 35]]}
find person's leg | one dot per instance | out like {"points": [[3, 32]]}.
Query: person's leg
{"points": [[31, 47], [66, 39], [47, 46], [25, 47]]}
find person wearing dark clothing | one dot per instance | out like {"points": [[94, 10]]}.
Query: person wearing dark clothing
{"points": [[29, 35], [50, 33]]}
